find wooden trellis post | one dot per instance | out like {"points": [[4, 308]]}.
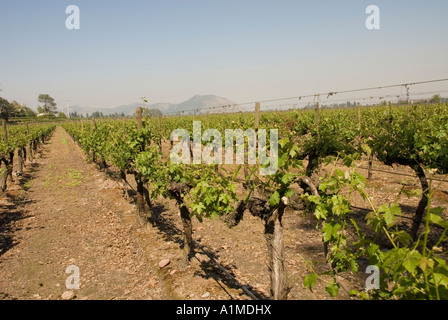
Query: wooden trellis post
{"points": [[359, 116], [139, 112], [160, 131], [317, 120], [5, 132], [208, 120], [257, 115]]}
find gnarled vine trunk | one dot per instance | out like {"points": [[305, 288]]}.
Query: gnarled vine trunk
{"points": [[21, 153], [422, 203], [4, 180], [369, 176], [8, 161], [125, 182], [188, 230], [233, 218], [312, 164], [143, 202], [176, 190], [273, 232]]}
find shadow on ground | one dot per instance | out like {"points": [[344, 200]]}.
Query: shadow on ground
{"points": [[12, 208]]}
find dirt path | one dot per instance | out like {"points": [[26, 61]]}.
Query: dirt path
{"points": [[65, 212], [61, 220]]}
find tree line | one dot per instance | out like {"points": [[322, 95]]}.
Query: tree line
{"points": [[16, 110], [48, 109]]}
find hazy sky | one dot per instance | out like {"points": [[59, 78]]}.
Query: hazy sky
{"points": [[243, 50]]}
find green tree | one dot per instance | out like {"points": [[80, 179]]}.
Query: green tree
{"points": [[49, 104], [28, 112], [436, 98], [21, 110], [17, 107], [62, 115], [98, 114], [6, 109]]}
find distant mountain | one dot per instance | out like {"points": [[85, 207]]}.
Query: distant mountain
{"points": [[196, 102]]}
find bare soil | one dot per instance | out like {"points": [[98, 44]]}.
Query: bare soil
{"points": [[65, 211]]}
